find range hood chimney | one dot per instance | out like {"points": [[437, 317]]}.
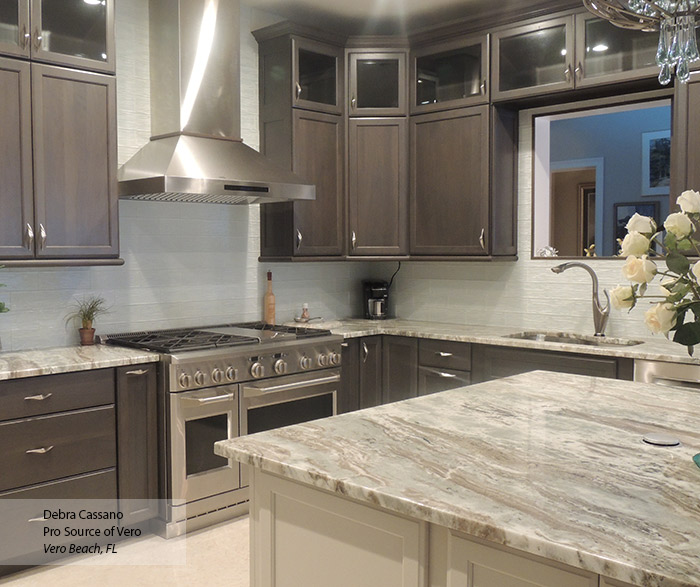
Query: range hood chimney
{"points": [[195, 153]]}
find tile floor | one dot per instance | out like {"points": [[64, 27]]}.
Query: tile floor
{"points": [[215, 556]]}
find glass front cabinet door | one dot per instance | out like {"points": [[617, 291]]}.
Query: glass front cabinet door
{"points": [[533, 58], [77, 33], [449, 75], [317, 76], [14, 27], [377, 84]]}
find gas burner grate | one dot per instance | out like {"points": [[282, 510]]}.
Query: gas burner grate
{"points": [[185, 339], [299, 331]]}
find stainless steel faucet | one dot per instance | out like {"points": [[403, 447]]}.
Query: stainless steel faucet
{"points": [[600, 313]]}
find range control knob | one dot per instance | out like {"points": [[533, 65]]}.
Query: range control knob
{"points": [[257, 370], [231, 374], [323, 360], [280, 366], [305, 362], [185, 380], [335, 358], [217, 375], [199, 378]]}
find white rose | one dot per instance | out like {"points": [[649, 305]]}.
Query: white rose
{"points": [[696, 270], [639, 270], [660, 318], [689, 201], [678, 224], [622, 297], [664, 285], [642, 224], [634, 243]]}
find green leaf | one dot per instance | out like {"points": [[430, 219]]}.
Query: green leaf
{"points": [[677, 263], [688, 334], [642, 289], [695, 308], [3, 308], [670, 240]]}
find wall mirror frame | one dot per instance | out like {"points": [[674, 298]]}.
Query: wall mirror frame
{"points": [[568, 193]]}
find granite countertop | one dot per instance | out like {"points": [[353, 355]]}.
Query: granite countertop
{"points": [[17, 364], [547, 463], [659, 350]]}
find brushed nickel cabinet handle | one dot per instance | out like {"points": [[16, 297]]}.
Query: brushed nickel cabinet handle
{"points": [[37, 39], [298, 94], [42, 236], [365, 352], [481, 239], [579, 71], [29, 236], [353, 240], [344, 345], [300, 238], [443, 354], [353, 102], [39, 398], [483, 88], [137, 372], [39, 451], [446, 375], [567, 73], [24, 37]]}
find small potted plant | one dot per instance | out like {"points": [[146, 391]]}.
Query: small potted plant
{"points": [[85, 311]]}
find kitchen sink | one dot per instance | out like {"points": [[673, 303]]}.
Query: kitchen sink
{"points": [[570, 338]]}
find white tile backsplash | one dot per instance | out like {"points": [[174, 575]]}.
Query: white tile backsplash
{"points": [[194, 264]]}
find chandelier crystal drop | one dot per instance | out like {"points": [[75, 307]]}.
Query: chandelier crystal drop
{"points": [[675, 20]]}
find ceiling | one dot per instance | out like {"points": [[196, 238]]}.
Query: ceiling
{"points": [[387, 17]]}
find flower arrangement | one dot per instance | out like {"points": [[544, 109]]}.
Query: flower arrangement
{"points": [[677, 308]]}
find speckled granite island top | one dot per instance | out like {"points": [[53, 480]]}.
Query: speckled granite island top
{"points": [[17, 364], [551, 464]]}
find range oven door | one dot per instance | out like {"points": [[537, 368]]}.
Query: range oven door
{"points": [[197, 420], [283, 401]]}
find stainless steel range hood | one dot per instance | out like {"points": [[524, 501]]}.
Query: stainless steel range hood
{"points": [[195, 153]]}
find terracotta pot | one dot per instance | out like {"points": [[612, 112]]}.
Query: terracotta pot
{"points": [[87, 336]]}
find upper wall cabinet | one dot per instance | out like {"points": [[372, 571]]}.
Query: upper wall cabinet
{"points": [[317, 71], [377, 83], [63, 204], [449, 75], [568, 52], [76, 33]]}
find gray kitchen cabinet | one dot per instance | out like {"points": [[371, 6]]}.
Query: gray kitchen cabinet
{"points": [[378, 186], [59, 195], [377, 82], [462, 198], [349, 392], [494, 362], [299, 131], [443, 365], [371, 371], [685, 160], [137, 442], [75, 33], [449, 74], [400, 368]]}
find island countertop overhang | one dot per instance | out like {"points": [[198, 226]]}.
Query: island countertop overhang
{"points": [[549, 464]]}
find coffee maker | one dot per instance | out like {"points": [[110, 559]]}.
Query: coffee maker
{"points": [[375, 296]]}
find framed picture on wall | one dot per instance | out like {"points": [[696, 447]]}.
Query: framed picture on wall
{"points": [[656, 163], [625, 210]]}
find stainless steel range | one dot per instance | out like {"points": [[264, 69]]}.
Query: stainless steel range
{"points": [[225, 380]]}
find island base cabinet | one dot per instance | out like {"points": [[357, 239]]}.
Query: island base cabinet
{"points": [[304, 537], [457, 560]]}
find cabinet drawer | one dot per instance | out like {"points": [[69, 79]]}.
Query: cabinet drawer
{"points": [[434, 380], [63, 445], [445, 354], [28, 536], [33, 396]]}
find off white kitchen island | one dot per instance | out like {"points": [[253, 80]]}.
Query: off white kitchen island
{"points": [[538, 479]]}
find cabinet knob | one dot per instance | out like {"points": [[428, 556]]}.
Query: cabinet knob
{"points": [[482, 242]]}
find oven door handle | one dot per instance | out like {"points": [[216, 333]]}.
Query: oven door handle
{"points": [[210, 400], [252, 391]]}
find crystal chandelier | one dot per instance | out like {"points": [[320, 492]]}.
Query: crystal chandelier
{"points": [[675, 21]]}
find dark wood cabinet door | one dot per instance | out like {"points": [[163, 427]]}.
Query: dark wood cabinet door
{"points": [[75, 163], [319, 159], [685, 142], [377, 186], [349, 392], [16, 190], [400, 364], [317, 76], [377, 84], [14, 26], [370, 371], [494, 362], [449, 202], [137, 442]]}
